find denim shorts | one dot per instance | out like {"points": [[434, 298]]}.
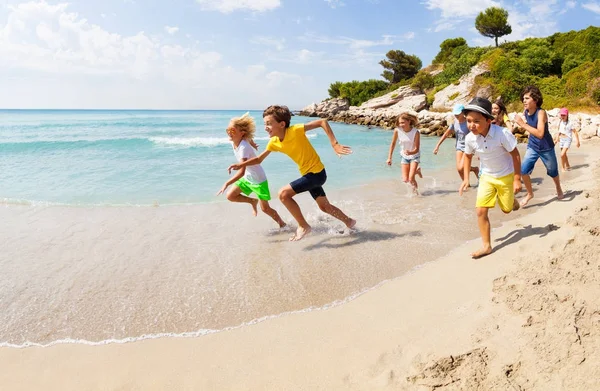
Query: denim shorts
{"points": [[413, 159], [311, 182], [548, 158]]}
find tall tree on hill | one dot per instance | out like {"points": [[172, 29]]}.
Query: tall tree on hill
{"points": [[493, 23], [400, 66]]}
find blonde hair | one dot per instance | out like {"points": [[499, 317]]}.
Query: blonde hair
{"points": [[246, 124], [414, 121]]}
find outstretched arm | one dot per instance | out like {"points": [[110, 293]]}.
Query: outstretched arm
{"points": [[439, 143], [516, 158], [323, 123], [234, 178], [250, 162], [541, 125], [466, 173], [392, 146]]}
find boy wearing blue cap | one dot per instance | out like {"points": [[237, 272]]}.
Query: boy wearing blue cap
{"points": [[459, 128]]}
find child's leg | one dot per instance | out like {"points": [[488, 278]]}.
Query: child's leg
{"points": [[551, 163], [564, 159], [334, 211], [411, 175], [405, 172], [286, 195], [235, 195], [483, 222], [272, 213], [526, 169]]}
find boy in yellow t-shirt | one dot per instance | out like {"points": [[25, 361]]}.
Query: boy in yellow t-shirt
{"points": [[292, 141]]}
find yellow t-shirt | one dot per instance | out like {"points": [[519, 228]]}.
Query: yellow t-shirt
{"points": [[295, 144]]}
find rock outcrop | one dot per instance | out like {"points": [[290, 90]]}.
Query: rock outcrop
{"points": [[461, 92]]}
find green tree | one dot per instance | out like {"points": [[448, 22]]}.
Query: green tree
{"points": [[493, 23], [400, 66], [334, 89], [446, 48]]}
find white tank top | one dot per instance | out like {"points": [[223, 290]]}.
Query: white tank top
{"points": [[406, 140]]}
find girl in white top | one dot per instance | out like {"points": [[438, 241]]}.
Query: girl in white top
{"points": [[251, 179], [566, 130], [409, 139]]}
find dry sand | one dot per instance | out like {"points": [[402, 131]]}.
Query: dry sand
{"points": [[526, 317]]}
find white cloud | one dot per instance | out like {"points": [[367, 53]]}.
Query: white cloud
{"points": [[277, 43], [594, 7], [51, 57], [171, 30], [353, 43], [335, 3], [459, 8], [228, 6]]}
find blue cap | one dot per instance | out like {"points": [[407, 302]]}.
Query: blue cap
{"points": [[458, 108]]}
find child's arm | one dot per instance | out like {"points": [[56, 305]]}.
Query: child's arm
{"points": [[439, 143], [417, 145], [337, 147], [508, 124], [516, 158], [250, 162], [392, 146], [541, 125], [466, 173], [234, 178]]}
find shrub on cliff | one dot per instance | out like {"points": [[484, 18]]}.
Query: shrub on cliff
{"points": [[446, 49], [400, 66], [422, 80], [357, 92], [459, 63]]}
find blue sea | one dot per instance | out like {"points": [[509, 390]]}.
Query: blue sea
{"points": [[129, 157]]}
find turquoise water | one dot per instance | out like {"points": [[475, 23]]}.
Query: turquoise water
{"points": [[105, 157]]}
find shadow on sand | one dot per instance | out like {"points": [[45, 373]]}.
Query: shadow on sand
{"points": [[359, 237], [522, 233]]}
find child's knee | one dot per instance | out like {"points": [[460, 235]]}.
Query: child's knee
{"points": [[230, 196], [285, 194], [264, 206]]}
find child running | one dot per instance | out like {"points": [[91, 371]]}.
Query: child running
{"points": [[459, 127], [540, 143], [501, 115], [500, 167], [253, 179], [409, 139], [292, 141], [566, 130]]}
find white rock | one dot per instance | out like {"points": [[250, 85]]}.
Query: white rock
{"points": [[460, 93]]}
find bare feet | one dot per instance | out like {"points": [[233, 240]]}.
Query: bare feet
{"points": [[351, 224], [482, 252], [526, 200], [282, 224], [516, 205], [300, 233], [560, 195], [254, 203]]}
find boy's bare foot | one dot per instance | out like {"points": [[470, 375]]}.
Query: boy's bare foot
{"points": [[481, 253], [351, 224], [516, 205], [254, 203], [560, 195], [526, 200], [282, 224], [300, 233]]}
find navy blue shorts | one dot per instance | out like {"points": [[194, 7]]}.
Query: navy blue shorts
{"points": [[311, 182]]}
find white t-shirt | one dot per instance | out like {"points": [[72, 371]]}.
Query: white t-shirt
{"points": [[254, 174], [566, 128], [406, 140], [493, 150]]}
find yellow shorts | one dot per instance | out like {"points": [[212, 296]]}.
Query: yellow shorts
{"points": [[490, 188]]}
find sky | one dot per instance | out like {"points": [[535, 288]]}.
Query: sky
{"points": [[233, 54]]}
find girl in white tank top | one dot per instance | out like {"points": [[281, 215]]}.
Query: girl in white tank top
{"points": [[409, 139]]}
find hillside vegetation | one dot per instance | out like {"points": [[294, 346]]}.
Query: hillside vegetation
{"points": [[565, 66]]}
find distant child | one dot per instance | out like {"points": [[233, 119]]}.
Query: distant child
{"points": [[409, 139], [500, 167], [292, 141], [501, 115], [253, 179], [540, 144], [566, 130], [459, 127]]}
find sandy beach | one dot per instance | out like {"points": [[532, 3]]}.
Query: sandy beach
{"points": [[527, 317]]}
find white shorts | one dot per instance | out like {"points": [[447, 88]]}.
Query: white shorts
{"points": [[565, 142]]}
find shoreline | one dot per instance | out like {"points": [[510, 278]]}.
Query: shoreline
{"points": [[401, 334]]}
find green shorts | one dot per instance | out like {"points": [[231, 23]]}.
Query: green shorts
{"points": [[261, 189]]}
